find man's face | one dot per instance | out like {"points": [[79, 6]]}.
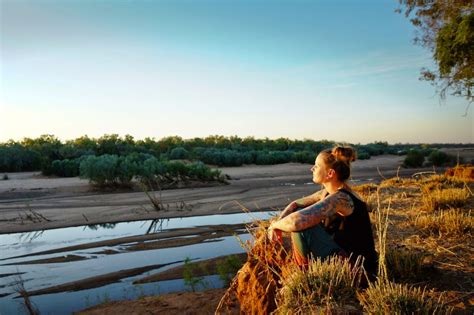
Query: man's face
{"points": [[319, 170]]}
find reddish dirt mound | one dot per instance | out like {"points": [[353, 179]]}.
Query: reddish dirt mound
{"points": [[256, 283], [189, 303], [461, 171], [256, 288]]}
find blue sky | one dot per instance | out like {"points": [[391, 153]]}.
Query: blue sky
{"points": [[338, 70]]}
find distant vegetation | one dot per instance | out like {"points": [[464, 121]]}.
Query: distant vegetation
{"points": [[113, 170], [121, 158]]}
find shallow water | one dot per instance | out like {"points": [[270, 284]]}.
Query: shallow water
{"points": [[17, 244], [39, 276]]}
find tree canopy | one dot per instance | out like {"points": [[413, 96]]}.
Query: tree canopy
{"points": [[446, 28]]}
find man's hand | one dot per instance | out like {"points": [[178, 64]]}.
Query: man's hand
{"points": [[292, 206], [274, 234]]}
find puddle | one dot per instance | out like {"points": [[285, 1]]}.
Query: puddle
{"points": [[99, 260]]}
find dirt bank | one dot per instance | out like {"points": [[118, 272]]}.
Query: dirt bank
{"points": [[186, 303]]}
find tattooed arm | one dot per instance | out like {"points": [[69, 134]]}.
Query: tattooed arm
{"points": [[338, 202], [303, 202]]}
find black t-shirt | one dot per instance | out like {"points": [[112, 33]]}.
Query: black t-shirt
{"points": [[354, 234]]}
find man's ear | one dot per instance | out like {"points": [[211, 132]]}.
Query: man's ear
{"points": [[331, 173]]}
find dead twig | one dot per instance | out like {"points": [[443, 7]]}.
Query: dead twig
{"points": [[20, 289], [380, 173], [459, 298]]}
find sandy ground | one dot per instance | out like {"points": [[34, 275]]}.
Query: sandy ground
{"points": [[30, 202]]}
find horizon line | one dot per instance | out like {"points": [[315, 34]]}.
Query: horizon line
{"points": [[62, 140]]}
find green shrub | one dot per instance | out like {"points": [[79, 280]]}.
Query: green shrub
{"points": [[306, 157], [65, 168], [188, 275], [222, 157], [201, 171], [273, 157], [177, 170], [126, 169], [438, 158], [376, 148], [153, 171], [15, 158], [414, 158], [71, 152], [363, 155], [139, 158], [100, 170], [229, 268], [178, 153]]}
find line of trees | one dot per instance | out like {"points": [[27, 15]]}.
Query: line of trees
{"points": [[54, 157]]}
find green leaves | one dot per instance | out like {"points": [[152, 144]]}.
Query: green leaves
{"points": [[447, 29]]}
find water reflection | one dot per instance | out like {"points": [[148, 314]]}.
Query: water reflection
{"points": [[30, 236], [107, 226], [156, 226]]}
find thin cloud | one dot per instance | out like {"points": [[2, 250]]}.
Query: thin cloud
{"points": [[373, 64], [340, 86], [384, 65]]}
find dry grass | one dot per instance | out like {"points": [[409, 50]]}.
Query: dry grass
{"points": [[381, 228], [383, 297], [448, 223], [324, 287], [440, 199], [404, 265], [397, 181], [366, 189], [461, 172], [442, 182]]}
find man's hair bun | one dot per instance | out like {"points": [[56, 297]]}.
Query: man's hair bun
{"points": [[345, 154]]}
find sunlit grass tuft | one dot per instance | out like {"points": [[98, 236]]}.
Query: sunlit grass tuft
{"points": [[447, 223], [404, 265], [439, 199], [365, 189], [385, 297], [325, 286]]}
